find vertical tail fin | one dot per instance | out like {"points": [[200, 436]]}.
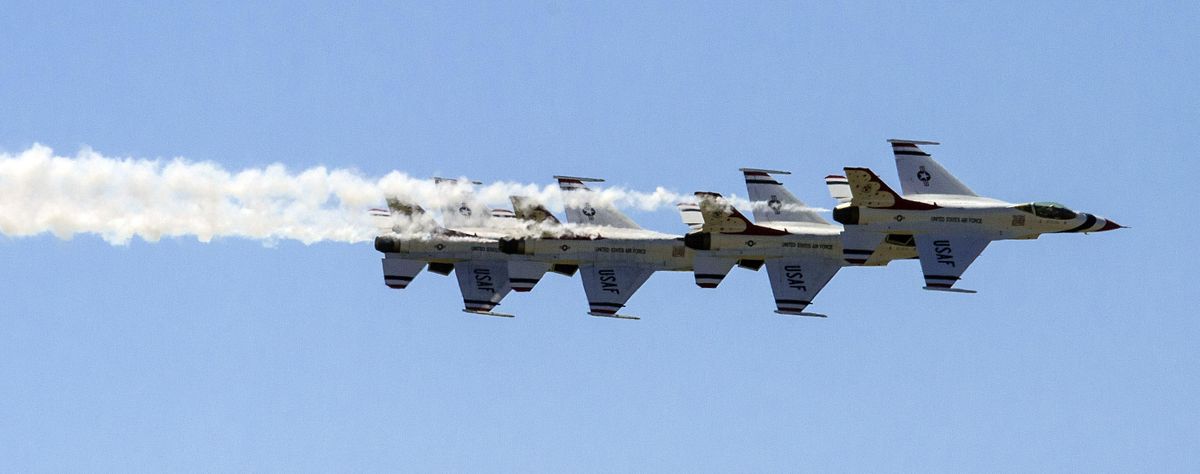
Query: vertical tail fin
{"points": [[773, 202], [461, 209], [720, 216], [867, 190], [403, 208], [527, 209], [403, 216], [920, 173], [583, 207]]}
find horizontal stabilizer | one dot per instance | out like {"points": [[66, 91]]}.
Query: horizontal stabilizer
{"points": [[575, 182], [858, 246], [709, 270], [839, 188], [399, 272], [523, 275], [690, 214]]}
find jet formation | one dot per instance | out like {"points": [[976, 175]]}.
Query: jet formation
{"points": [[935, 219]]}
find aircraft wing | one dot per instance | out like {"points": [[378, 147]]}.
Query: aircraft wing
{"points": [[523, 275], [399, 272], [796, 281], [608, 287], [944, 258], [710, 270], [483, 284]]}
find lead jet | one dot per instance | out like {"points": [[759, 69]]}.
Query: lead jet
{"points": [[613, 254], [949, 223]]}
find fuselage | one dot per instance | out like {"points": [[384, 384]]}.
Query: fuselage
{"points": [[995, 219], [605, 245], [794, 239], [438, 249], [779, 240]]}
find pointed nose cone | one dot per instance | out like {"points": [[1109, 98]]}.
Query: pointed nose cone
{"points": [[1109, 225], [1093, 223]]}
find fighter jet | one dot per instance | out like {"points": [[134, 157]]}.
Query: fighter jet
{"points": [[801, 250], [799, 262], [950, 224], [485, 275], [613, 254]]}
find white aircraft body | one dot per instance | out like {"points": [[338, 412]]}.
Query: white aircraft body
{"points": [[950, 224], [799, 261], [613, 254], [485, 275], [801, 250]]}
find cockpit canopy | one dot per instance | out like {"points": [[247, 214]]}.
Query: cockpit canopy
{"points": [[1048, 210]]}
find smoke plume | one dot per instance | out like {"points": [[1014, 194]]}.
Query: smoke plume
{"points": [[120, 198]]}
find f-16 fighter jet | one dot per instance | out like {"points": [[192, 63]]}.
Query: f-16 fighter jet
{"points": [[802, 251], [614, 255], [951, 224], [800, 261], [485, 275]]}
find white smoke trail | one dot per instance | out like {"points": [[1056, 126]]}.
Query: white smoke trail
{"points": [[122, 198]]}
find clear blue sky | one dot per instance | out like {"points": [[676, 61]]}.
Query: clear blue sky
{"points": [[1078, 353]]}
